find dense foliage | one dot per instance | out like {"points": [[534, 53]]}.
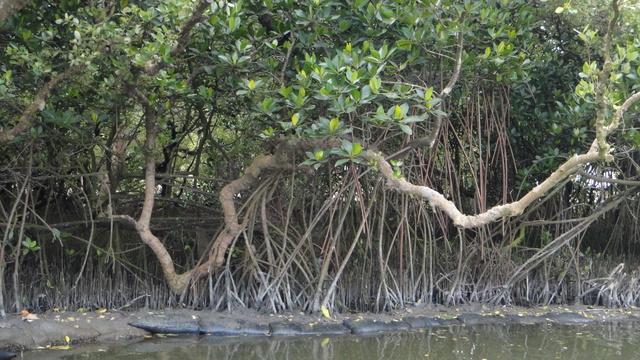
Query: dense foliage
{"points": [[247, 145]]}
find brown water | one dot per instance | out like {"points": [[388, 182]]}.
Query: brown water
{"points": [[608, 341]]}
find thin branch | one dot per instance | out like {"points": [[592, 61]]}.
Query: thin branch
{"points": [[197, 16], [457, 65], [429, 140], [602, 131], [287, 57], [563, 239], [607, 180]]}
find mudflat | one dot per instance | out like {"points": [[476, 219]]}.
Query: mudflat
{"points": [[51, 329]]}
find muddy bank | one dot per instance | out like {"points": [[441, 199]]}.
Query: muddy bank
{"points": [[20, 333], [206, 323], [52, 329]]}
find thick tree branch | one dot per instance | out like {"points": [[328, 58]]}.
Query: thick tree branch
{"points": [[437, 200], [10, 7], [599, 151], [176, 282], [228, 194], [38, 104]]}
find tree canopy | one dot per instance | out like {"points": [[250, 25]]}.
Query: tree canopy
{"points": [[272, 147]]}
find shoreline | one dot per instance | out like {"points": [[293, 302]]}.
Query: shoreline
{"points": [[52, 328]]}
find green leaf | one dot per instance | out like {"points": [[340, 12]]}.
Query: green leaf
{"points": [[295, 118], [411, 119], [375, 83], [428, 94], [397, 113], [360, 3], [286, 91], [342, 162], [406, 129], [404, 44], [559, 10], [334, 124], [347, 146], [356, 149]]}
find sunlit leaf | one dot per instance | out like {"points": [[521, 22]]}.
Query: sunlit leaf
{"points": [[356, 149], [397, 113], [60, 347], [428, 94], [334, 124], [325, 311]]}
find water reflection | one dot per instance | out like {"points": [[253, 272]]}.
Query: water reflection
{"points": [[608, 341]]}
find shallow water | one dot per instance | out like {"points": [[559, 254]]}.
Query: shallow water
{"points": [[492, 342]]}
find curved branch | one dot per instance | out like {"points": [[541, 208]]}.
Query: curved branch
{"points": [[456, 67], [437, 200], [176, 282], [598, 151], [38, 104], [228, 196], [617, 118]]}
